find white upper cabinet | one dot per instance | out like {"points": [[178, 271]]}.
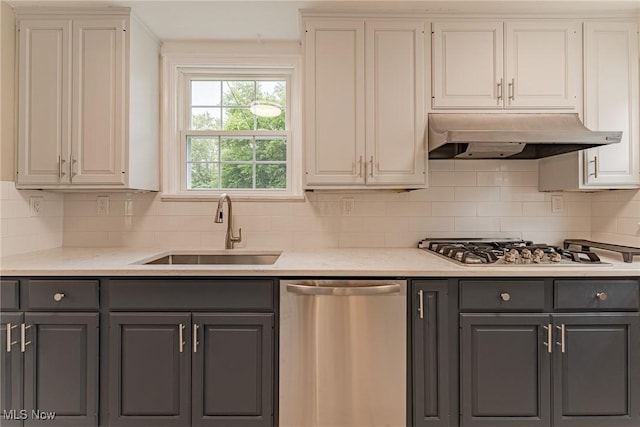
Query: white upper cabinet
{"points": [[512, 64], [610, 104], [75, 127], [364, 103]]}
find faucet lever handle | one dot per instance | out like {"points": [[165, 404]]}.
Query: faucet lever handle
{"points": [[237, 238]]}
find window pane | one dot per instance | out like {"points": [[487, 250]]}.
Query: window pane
{"points": [[236, 149], [271, 176], [238, 119], [272, 92], [237, 176], [202, 176], [239, 93], [202, 149], [205, 93], [271, 149], [205, 119]]}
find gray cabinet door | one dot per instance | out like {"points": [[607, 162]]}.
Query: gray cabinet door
{"points": [[596, 378], [505, 370], [61, 369], [430, 354], [149, 369], [232, 378], [11, 370]]}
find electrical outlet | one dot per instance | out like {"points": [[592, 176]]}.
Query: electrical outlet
{"points": [[103, 205], [36, 206], [348, 206], [557, 204]]}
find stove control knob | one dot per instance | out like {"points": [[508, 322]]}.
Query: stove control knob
{"points": [[538, 253], [602, 296], [510, 259], [555, 257], [526, 253], [505, 296]]}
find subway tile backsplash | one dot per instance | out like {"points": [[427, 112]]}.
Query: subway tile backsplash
{"points": [[482, 198]]}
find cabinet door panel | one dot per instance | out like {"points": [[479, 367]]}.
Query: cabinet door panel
{"points": [[395, 96], [430, 354], [505, 370], [542, 68], [596, 378], [149, 369], [467, 64], [98, 114], [233, 370], [335, 102], [611, 103], [11, 362], [44, 125], [61, 368]]}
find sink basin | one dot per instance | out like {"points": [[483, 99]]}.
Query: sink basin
{"points": [[216, 259]]}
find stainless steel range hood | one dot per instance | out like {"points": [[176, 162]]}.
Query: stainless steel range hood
{"points": [[510, 136]]}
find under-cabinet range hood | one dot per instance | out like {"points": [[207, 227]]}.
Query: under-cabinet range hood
{"points": [[510, 136]]}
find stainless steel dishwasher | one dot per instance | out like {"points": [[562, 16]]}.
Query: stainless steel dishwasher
{"points": [[343, 353]]}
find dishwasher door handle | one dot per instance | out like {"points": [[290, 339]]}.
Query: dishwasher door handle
{"points": [[384, 289]]}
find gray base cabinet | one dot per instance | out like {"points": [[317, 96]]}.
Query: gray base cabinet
{"points": [[505, 370], [49, 369], [430, 354], [554, 368], [198, 369], [592, 370], [11, 359]]}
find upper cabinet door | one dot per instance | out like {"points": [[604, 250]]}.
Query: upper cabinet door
{"points": [[98, 108], [542, 64], [44, 127], [395, 102], [467, 64], [334, 115], [611, 103]]}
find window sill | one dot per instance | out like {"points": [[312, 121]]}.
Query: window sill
{"points": [[235, 196]]}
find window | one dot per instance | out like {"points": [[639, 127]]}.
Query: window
{"points": [[229, 128]]}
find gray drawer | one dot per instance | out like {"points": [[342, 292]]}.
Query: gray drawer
{"points": [[9, 295], [499, 295], [583, 294], [191, 294], [72, 295]]}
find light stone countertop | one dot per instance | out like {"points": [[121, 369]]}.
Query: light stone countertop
{"points": [[365, 262]]}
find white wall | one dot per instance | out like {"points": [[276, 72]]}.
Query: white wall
{"points": [[466, 198], [20, 232], [616, 217]]}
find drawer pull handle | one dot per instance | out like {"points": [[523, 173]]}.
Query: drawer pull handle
{"points": [[58, 296], [505, 296], [549, 343], [181, 341], [602, 296], [10, 342], [195, 338], [562, 342], [23, 337]]}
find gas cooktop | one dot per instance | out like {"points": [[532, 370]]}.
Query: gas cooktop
{"points": [[509, 252]]}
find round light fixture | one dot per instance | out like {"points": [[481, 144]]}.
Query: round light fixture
{"points": [[265, 109]]}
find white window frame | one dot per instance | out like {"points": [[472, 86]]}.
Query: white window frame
{"points": [[178, 71]]}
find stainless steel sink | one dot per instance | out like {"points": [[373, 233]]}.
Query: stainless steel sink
{"points": [[216, 259]]}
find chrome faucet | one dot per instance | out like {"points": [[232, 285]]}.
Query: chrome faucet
{"points": [[230, 239]]}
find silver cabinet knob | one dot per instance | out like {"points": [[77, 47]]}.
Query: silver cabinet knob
{"points": [[602, 296], [58, 296], [505, 296]]}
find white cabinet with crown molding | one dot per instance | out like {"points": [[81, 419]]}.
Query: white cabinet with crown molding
{"points": [[611, 103], [517, 64], [88, 97], [364, 103]]}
